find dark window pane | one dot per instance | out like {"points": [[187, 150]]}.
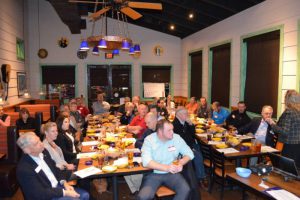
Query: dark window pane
{"points": [[196, 74], [58, 74], [262, 71], [220, 83], [156, 74], [98, 76]]}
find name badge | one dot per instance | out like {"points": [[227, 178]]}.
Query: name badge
{"points": [[38, 169], [171, 148]]}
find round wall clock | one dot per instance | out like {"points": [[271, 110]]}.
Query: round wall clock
{"points": [[42, 53], [158, 50], [82, 54], [63, 42]]}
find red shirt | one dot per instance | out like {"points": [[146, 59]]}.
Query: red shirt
{"points": [[84, 111], [138, 121]]}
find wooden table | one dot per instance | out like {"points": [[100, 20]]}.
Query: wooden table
{"points": [[239, 155], [114, 175], [273, 180]]}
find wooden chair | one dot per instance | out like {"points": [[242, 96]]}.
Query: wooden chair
{"points": [[163, 192], [220, 169]]}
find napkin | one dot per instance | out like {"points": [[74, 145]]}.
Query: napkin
{"points": [[87, 172]]}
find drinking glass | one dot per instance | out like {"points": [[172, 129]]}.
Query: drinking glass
{"points": [[130, 159]]}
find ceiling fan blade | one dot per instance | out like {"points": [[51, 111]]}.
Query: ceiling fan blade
{"points": [[99, 13], [155, 6], [82, 1], [131, 13]]}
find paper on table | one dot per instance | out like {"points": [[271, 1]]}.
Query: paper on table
{"points": [[129, 139], [215, 142], [202, 135], [282, 195], [268, 149], [89, 143], [137, 159], [86, 155], [228, 150], [244, 137], [87, 172], [134, 150]]}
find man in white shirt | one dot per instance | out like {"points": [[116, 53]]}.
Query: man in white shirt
{"points": [[39, 177], [100, 106]]}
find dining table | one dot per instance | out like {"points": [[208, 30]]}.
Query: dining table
{"points": [[260, 185], [96, 138]]}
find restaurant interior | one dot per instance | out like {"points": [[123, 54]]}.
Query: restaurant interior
{"points": [[228, 51]]}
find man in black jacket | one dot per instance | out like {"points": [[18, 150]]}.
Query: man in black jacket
{"points": [[38, 176], [260, 128], [239, 117], [186, 129]]}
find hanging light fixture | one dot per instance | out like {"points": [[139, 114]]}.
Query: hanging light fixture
{"points": [[137, 48], [116, 39], [116, 52], [84, 45], [102, 44], [95, 51], [125, 44], [131, 50]]}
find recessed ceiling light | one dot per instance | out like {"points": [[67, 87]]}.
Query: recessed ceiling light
{"points": [[191, 15], [172, 27]]}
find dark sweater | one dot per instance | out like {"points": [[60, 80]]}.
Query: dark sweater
{"points": [[237, 119]]}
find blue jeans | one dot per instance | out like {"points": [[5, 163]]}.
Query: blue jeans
{"points": [[153, 181], [84, 195], [198, 162]]}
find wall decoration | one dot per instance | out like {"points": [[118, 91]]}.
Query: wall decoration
{"points": [[21, 81], [5, 77], [20, 49], [42, 53], [63, 42], [158, 50]]}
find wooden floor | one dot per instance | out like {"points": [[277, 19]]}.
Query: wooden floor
{"points": [[124, 194]]}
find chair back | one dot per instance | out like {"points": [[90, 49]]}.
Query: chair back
{"points": [[218, 160], [206, 151], [8, 142]]}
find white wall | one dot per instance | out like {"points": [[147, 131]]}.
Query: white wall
{"points": [[266, 15], [11, 27], [51, 28]]}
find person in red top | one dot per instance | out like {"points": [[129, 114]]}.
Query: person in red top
{"points": [[138, 125], [192, 107], [82, 109]]}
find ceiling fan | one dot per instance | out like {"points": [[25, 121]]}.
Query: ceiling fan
{"points": [[123, 6]]}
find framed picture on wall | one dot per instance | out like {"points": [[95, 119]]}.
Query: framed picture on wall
{"points": [[20, 49], [21, 81]]}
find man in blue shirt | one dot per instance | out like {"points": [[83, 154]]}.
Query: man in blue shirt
{"points": [[160, 152], [219, 114]]}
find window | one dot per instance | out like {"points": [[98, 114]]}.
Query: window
{"points": [[220, 78], [59, 81], [262, 71], [196, 74], [157, 74], [113, 80]]}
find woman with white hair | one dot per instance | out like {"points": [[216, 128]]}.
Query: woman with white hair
{"points": [[288, 126]]}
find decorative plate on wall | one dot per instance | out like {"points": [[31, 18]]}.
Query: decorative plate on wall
{"points": [[82, 54], [158, 50], [63, 42], [42, 53]]}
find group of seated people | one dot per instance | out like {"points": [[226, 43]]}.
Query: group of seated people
{"points": [[160, 141]]}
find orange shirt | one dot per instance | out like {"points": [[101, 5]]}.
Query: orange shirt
{"points": [[192, 108]]}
